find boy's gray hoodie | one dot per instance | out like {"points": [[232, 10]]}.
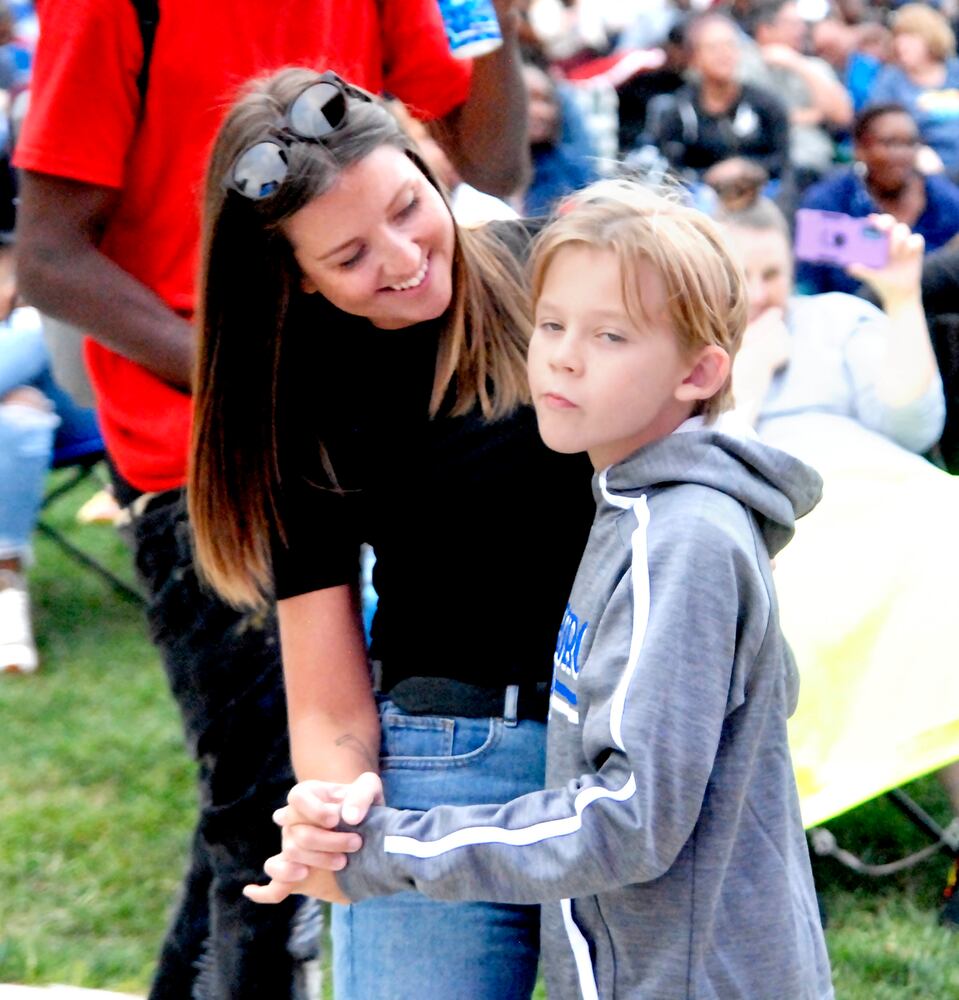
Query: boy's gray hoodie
{"points": [[668, 845]]}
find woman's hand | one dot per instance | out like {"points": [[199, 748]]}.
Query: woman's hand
{"points": [[312, 848], [908, 366], [779, 55], [764, 351], [767, 340], [899, 280], [287, 878], [315, 809]]}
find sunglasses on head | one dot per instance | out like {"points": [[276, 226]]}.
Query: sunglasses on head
{"points": [[315, 113]]}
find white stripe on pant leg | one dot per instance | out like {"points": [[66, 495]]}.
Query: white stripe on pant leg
{"points": [[584, 967]]}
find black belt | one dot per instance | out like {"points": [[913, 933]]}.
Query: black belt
{"points": [[444, 696]]}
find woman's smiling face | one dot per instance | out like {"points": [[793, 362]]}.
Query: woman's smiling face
{"points": [[379, 243]]}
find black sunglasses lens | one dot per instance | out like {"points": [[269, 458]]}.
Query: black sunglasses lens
{"points": [[319, 110], [260, 170]]}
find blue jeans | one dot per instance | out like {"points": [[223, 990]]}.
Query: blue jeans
{"points": [[406, 947], [223, 667], [26, 444], [30, 437]]}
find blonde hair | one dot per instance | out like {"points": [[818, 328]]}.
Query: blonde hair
{"points": [[248, 379], [929, 25], [705, 287]]}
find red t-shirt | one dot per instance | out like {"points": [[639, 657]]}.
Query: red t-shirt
{"points": [[83, 124]]}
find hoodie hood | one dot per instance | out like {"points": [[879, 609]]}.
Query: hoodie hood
{"points": [[725, 456]]}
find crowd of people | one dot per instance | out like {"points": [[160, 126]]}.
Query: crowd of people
{"points": [[314, 335]]}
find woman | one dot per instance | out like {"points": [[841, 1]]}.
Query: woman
{"points": [[866, 587], [361, 379], [926, 81], [719, 117], [885, 179]]}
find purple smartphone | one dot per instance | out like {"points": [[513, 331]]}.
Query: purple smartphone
{"points": [[834, 238]]}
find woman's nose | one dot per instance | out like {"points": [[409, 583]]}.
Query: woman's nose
{"points": [[402, 257], [756, 294]]}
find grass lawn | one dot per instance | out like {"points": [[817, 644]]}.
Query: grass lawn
{"points": [[96, 800]]}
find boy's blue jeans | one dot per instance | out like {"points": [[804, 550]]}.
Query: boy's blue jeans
{"points": [[406, 947], [223, 668]]}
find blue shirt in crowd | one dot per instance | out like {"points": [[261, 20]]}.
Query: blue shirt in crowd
{"points": [[935, 109], [859, 78]]}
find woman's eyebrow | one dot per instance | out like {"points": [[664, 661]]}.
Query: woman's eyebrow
{"points": [[339, 249], [407, 185]]}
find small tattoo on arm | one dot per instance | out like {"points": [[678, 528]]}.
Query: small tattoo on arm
{"points": [[354, 743]]}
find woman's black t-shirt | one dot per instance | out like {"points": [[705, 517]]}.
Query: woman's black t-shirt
{"points": [[477, 527]]}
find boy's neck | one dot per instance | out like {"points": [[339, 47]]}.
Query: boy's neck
{"points": [[665, 424]]}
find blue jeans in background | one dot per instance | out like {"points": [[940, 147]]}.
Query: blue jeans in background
{"points": [[29, 437], [406, 946]]}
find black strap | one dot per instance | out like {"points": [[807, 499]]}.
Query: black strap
{"points": [[148, 17]]}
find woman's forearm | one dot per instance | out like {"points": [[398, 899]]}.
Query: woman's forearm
{"points": [[910, 362], [334, 724], [335, 748]]}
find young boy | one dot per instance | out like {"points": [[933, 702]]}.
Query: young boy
{"points": [[668, 843]]}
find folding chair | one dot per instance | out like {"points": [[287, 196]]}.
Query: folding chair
{"points": [[82, 459]]}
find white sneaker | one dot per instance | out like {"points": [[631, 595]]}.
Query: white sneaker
{"points": [[18, 652]]}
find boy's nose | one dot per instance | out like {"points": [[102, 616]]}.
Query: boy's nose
{"points": [[566, 356]]}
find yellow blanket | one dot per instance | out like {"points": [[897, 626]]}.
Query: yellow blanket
{"points": [[869, 604]]}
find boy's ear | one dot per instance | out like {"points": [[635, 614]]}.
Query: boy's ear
{"points": [[707, 376]]}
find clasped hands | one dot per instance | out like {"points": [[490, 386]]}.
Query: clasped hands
{"points": [[312, 848]]}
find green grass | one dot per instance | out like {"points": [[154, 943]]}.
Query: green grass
{"points": [[97, 800], [95, 788]]}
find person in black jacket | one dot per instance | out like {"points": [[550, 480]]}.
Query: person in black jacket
{"points": [[718, 117]]}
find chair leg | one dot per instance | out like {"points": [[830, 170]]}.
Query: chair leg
{"points": [[121, 586], [920, 818], [77, 476]]}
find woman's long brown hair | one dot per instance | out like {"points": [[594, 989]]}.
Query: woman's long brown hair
{"points": [[248, 281]]}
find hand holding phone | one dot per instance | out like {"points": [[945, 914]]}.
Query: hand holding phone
{"points": [[898, 281], [834, 238]]}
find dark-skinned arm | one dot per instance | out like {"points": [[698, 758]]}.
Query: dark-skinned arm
{"points": [[485, 137], [61, 271]]}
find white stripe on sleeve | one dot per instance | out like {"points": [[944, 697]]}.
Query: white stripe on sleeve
{"points": [[520, 837]]}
